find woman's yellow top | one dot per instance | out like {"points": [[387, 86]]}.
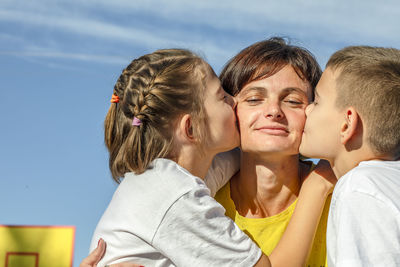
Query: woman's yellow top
{"points": [[266, 232]]}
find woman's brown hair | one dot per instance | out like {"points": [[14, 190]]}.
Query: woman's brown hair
{"points": [[155, 88], [265, 58]]}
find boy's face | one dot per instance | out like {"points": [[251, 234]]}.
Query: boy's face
{"points": [[321, 136]]}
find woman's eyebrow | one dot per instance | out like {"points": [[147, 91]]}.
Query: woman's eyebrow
{"points": [[295, 89], [251, 89]]}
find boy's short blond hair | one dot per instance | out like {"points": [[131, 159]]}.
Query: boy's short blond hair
{"points": [[369, 81]]}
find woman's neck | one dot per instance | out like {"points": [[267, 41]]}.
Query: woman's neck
{"points": [[265, 186]]}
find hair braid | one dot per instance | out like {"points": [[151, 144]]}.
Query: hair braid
{"points": [[155, 88]]}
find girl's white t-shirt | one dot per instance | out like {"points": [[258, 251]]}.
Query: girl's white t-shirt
{"points": [[167, 217]]}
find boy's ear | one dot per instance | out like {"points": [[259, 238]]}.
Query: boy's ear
{"points": [[349, 126], [185, 128]]}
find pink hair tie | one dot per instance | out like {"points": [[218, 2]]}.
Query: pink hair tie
{"points": [[136, 122]]}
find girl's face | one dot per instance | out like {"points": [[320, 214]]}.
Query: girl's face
{"points": [[219, 106], [271, 113]]}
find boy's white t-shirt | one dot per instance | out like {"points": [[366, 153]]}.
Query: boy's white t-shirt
{"points": [[364, 217], [166, 217]]}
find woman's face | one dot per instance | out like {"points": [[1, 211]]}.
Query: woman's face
{"points": [[271, 113], [223, 134]]}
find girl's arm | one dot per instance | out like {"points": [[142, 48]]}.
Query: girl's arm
{"points": [[294, 247]]}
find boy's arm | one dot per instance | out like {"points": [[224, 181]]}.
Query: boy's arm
{"points": [[294, 247], [95, 256], [223, 167], [364, 231]]}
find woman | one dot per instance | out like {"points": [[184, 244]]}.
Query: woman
{"points": [[272, 82]]}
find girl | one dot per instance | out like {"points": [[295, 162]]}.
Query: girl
{"points": [[169, 117]]}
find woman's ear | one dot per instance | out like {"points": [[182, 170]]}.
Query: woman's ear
{"points": [[350, 125]]}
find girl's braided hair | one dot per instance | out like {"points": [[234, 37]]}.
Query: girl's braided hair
{"points": [[156, 89]]}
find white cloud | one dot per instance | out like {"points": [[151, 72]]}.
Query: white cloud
{"points": [[348, 19], [80, 25], [69, 56], [92, 27], [365, 18], [137, 23]]}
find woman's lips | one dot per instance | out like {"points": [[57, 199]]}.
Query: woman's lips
{"points": [[272, 130]]}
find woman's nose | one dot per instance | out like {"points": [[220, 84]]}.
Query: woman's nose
{"points": [[273, 110]]}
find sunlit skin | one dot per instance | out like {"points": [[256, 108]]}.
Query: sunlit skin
{"points": [[335, 134], [271, 116], [321, 137], [271, 113], [222, 132], [221, 119]]}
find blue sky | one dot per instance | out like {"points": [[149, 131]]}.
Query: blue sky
{"points": [[59, 60]]}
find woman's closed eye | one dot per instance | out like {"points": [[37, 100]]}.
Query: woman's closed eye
{"points": [[254, 100], [294, 102]]}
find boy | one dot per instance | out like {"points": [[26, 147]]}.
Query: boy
{"points": [[354, 123]]}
